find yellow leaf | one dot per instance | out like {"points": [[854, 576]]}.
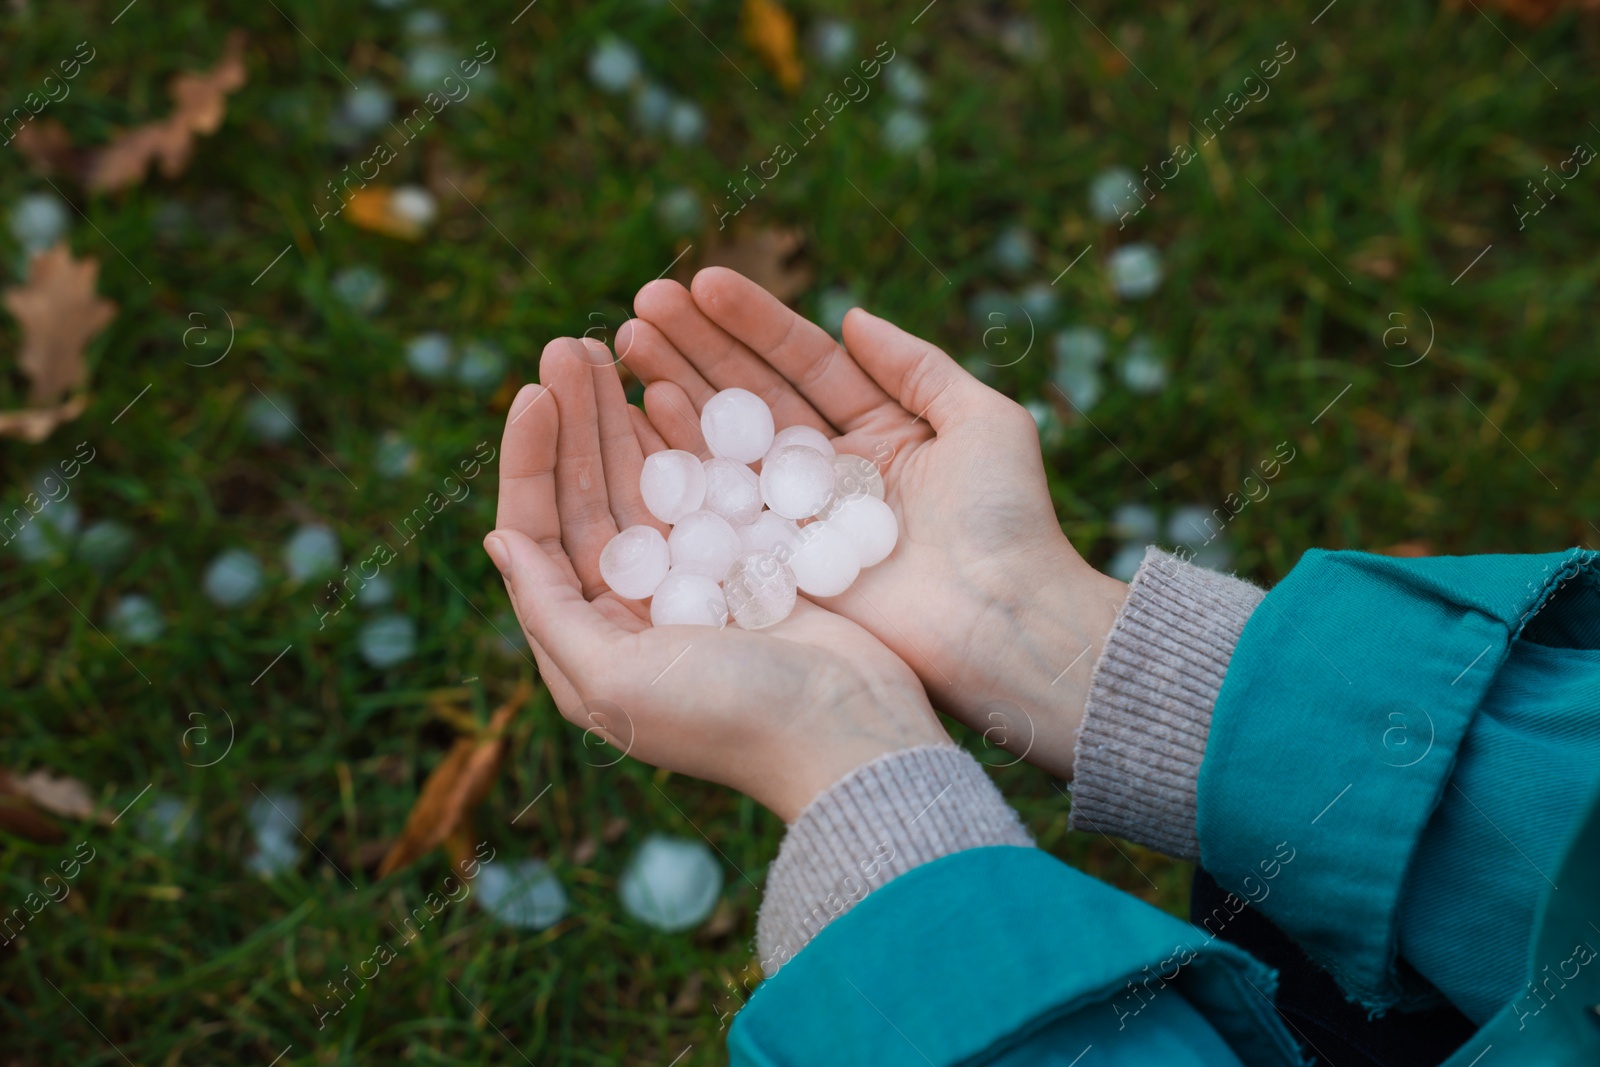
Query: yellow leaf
{"points": [[769, 29], [373, 208]]}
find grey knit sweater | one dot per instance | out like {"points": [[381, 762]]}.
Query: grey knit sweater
{"points": [[1138, 758]]}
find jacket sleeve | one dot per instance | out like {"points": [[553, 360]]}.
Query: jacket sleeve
{"points": [[1424, 734], [908, 919]]}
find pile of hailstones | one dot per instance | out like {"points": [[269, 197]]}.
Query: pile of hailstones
{"points": [[736, 543]]}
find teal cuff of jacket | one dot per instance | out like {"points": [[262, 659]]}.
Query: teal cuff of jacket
{"points": [[973, 956], [1365, 695]]}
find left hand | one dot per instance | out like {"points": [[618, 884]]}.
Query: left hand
{"points": [[780, 714]]}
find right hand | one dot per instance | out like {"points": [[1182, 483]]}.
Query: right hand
{"points": [[983, 596]]}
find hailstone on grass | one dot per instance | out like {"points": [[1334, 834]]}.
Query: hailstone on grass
{"points": [[274, 821], [375, 592], [136, 619], [904, 131], [1113, 192], [686, 123], [430, 355], [38, 221], [482, 365], [832, 41], [414, 204], [1143, 368], [1014, 249], [105, 544], [366, 107], [1135, 522], [679, 210], [671, 883], [167, 821], [428, 65], [233, 579], [1135, 271], [1125, 564], [311, 552], [269, 417], [524, 894], [387, 640], [48, 536], [614, 65], [905, 82], [361, 289], [652, 107], [833, 304]]}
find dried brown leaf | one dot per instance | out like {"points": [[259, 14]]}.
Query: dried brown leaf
{"points": [[199, 103], [770, 257], [443, 810], [769, 29], [27, 801], [48, 146], [19, 817], [59, 312], [372, 208], [59, 795], [34, 425]]}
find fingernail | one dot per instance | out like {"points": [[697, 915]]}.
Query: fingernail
{"points": [[496, 547]]}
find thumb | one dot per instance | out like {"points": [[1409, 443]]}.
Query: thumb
{"points": [[919, 375], [549, 603]]}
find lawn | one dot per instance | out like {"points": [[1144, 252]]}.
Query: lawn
{"points": [[1356, 288]]}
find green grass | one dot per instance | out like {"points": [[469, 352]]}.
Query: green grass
{"points": [[1394, 145]]}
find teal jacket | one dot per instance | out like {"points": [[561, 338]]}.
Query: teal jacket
{"points": [[1403, 767]]}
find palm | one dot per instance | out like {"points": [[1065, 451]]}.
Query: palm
{"points": [[716, 703], [977, 527]]}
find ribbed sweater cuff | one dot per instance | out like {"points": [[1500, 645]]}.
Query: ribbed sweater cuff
{"points": [[884, 818], [1148, 712]]}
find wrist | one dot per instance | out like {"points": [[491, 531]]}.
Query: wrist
{"points": [[834, 737], [1041, 659]]}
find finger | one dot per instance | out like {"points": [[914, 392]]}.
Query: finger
{"points": [[650, 442], [670, 413], [558, 618], [528, 470], [722, 360], [921, 377], [800, 350], [581, 500], [620, 453], [652, 358]]}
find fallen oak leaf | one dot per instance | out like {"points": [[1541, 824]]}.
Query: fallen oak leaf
{"points": [[443, 810], [58, 794], [48, 146], [28, 800], [35, 424], [200, 101], [59, 312], [769, 29], [199, 104], [770, 257]]}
